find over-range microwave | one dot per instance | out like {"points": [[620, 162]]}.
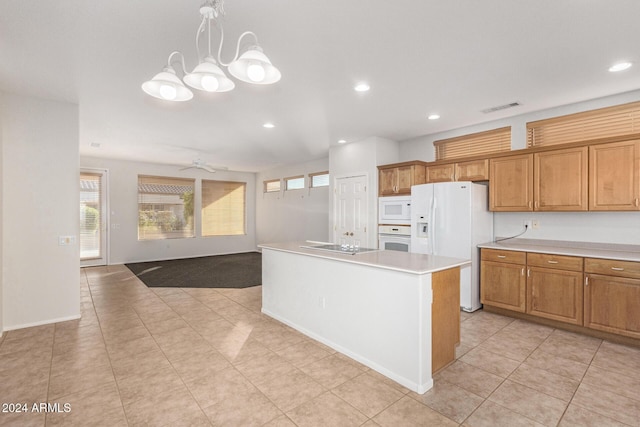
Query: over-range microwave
{"points": [[394, 210]]}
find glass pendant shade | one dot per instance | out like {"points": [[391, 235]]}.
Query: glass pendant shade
{"points": [[253, 66], [209, 77], [167, 86]]}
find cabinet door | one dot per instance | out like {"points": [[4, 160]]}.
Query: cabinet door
{"points": [[387, 181], [555, 294], [441, 173], [612, 304], [560, 180], [511, 183], [405, 179], [503, 285], [476, 170], [614, 176]]}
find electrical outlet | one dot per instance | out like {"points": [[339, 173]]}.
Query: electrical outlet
{"points": [[535, 224], [527, 223]]}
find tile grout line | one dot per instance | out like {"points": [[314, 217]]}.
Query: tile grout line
{"points": [[107, 351]]}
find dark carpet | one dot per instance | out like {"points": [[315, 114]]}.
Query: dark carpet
{"points": [[219, 271]]}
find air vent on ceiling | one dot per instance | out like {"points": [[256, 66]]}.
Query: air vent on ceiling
{"points": [[501, 107]]}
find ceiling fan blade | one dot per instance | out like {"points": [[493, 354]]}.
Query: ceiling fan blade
{"points": [[188, 167]]}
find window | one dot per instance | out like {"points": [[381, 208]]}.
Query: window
{"points": [[165, 207], [602, 123], [474, 144], [223, 208], [272, 186], [319, 179], [294, 183]]}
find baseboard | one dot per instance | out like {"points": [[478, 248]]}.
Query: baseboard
{"points": [[43, 322]]}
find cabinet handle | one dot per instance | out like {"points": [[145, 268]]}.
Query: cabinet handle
{"points": [[617, 268], [528, 272], [586, 281], [552, 262], [522, 272], [636, 202], [530, 205], [501, 256], [535, 204]]}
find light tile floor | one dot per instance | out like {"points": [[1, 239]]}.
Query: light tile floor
{"points": [[181, 357]]}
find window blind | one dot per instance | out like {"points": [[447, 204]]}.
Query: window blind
{"points": [[272, 186], [223, 208], [607, 122], [474, 144], [294, 183], [319, 179], [165, 207]]}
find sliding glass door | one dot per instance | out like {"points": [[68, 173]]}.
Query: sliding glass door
{"points": [[93, 217]]}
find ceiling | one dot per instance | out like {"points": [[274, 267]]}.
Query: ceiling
{"points": [[454, 58]]}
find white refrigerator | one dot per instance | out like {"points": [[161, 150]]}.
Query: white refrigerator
{"points": [[451, 219]]}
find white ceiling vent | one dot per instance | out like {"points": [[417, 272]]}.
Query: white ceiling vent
{"points": [[501, 107]]}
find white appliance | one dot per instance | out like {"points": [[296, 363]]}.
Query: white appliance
{"points": [[394, 210], [394, 238], [451, 219]]}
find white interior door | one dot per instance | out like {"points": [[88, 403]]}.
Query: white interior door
{"points": [[351, 217], [93, 217]]}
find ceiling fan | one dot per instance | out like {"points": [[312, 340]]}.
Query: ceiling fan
{"points": [[199, 164]]}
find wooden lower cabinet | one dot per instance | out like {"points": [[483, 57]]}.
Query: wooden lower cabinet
{"points": [[445, 318], [612, 300], [612, 304], [555, 294], [594, 293], [503, 285]]}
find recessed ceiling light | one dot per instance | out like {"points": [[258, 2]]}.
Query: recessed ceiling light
{"points": [[433, 116], [269, 125], [362, 87], [620, 66], [342, 141]]}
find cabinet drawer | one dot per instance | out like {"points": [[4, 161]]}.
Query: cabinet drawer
{"points": [[512, 257], [561, 262], [612, 267]]}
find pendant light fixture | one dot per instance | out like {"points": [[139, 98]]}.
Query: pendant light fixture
{"points": [[252, 66]]}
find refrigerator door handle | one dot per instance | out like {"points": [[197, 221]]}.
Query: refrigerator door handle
{"points": [[433, 226]]}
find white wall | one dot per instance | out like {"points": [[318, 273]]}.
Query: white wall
{"points": [[362, 158], [601, 227], [1, 221], [40, 199], [295, 215], [123, 219]]}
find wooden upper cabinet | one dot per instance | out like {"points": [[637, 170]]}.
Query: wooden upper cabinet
{"points": [[511, 183], [614, 176], [561, 179], [387, 181], [441, 173], [475, 170], [397, 179]]}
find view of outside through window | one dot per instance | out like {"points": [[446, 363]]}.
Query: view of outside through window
{"points": [[165, 207], [89, 215]]}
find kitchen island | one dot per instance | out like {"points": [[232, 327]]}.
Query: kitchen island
{"points": [[395, 312]]}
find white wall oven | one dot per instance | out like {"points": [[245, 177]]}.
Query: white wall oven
{"points": [[394, 238], [394, 210]]}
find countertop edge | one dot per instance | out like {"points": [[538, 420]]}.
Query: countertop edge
{"points": [[555, 247], [360, 259]]}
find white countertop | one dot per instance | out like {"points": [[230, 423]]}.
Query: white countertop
{"points": [[390, 260], [580, 249]]}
